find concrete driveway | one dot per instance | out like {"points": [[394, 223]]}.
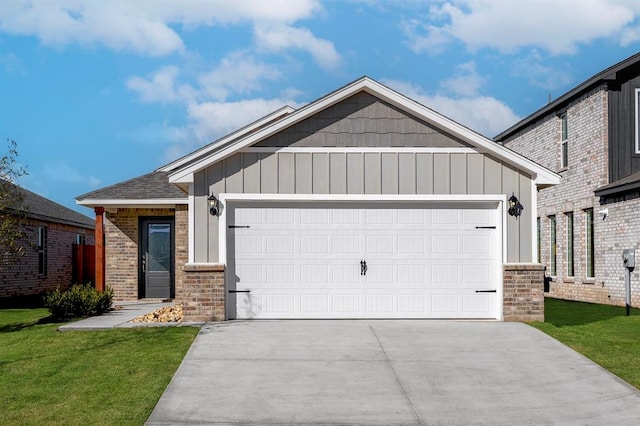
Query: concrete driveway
{"points": [[389, 373]]}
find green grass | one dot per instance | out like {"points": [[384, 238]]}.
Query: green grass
{"points": [[106, 377], [602, 333]]}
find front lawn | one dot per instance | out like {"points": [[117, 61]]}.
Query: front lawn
{"points": [[602, 333], [83, 377]]}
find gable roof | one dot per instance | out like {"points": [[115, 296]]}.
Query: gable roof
{"points": [[184, 173], [38, 207], [150, 189], [607, 75]]}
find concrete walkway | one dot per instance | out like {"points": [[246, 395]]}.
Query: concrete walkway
{"points": [[389, 373], [120, 318]]}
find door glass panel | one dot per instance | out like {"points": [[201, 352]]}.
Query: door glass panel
{"points": [[159, 247]]}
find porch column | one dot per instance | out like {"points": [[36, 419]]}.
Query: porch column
{"points": [[99, 237]]}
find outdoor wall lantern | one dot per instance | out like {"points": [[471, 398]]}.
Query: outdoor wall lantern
{"points": [[214, 207], [515, 208]]}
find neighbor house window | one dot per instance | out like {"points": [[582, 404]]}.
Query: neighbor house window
{"points": [[590, 243], [564, 154], [570, 269], [539, 239], [42, 250], [552, 247], [637, 117], [80, 239]]}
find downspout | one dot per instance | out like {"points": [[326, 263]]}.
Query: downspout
{"points": [[100, 261]]}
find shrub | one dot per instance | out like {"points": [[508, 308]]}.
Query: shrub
{"points": [[79, 301]]}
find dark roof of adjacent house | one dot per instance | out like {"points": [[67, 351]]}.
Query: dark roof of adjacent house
{"points": [[625, 184], [609, 74], [154, 185], [38, 207]]}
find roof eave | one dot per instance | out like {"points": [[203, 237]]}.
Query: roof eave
{"points": [[132, 203], [609, 74]]}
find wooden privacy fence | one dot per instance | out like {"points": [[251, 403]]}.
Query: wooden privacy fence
{"points": [[84, 264]]}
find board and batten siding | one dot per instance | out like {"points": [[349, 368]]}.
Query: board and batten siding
{"points": [[361, 173]]}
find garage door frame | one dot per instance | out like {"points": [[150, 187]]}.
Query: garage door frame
{"points": [[462, 199]]}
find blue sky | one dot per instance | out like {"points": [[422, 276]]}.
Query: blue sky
{"points": [[96, 92]]}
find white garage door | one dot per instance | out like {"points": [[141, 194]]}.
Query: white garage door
{"points": [[359, 260]]}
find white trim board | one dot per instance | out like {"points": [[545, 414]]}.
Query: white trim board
{"points": [[132, 203], [358, 150]]}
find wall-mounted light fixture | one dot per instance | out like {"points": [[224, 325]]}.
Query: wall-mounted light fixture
{"points": [[515, 208], [214, 207]]}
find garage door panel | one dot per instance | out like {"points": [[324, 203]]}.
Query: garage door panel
{"points": [[345, 303], [279, 244], [445, 245], [344, 216], [444, 303], [411, 244], [280, 274], [477, 303], [379, 217], [345, 244], [380, 303], [304, 262], [412, 303], [345, 274], [314, 244], [314, 217], [314, 274], [314, 304], [410, 274]]}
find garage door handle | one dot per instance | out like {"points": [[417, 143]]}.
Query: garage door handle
{"points": [[363, 267], [485, 291], [239, 291], [485, 227]]}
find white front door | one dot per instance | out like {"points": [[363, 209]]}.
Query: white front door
{"points": [[363, 260]]}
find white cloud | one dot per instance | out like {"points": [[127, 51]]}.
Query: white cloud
{"points": [[533, 68], [141, 26], [508, 25], [238, 73], [483, 114], [161, 86], [212, 105], [62, 172], [466, 80], [214, 119], [281, 37]]}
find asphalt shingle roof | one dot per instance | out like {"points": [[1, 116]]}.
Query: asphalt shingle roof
{"points": [[39, 207], [154, 185]]}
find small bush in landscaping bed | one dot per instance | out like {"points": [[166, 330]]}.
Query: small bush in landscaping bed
{"points": [[79, 301]]}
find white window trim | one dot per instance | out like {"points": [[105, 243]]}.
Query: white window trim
{"points": [[637, 117], [564, 138], [593, 242], [553, 223]]}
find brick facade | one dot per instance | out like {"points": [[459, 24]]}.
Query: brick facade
{"points": [[202, 292], [121, 250], [22, 278], [523, 292], [587, 121]]}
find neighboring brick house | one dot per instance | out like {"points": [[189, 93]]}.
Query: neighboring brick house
{"points": [[590, 136], [50, 230], [362, 204]]}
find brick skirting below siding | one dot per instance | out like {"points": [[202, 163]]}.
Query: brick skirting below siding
{"points": [[202, 292], [523, 292]]}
